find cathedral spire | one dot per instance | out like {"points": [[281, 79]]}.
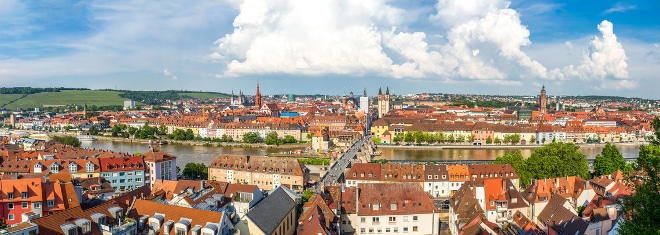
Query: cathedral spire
{"points": [[257, 97], [364, 93], [387, 91], [380, 91]]}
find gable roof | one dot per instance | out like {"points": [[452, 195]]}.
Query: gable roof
{"points": [[269, 213]]}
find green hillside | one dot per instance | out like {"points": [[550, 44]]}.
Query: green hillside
{"points": [[91, 97]]}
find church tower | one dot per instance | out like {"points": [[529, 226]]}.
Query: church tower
{"points": [[543, 101], [257, 97], [383, 102]]}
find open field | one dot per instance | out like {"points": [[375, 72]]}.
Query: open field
{"points": [[202, 95], [6, 98], [80, 97]]}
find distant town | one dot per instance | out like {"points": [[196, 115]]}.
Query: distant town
{"points": [[50, 184]]}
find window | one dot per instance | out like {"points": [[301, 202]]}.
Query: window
{"points": [[395, 229], [414, 228], [180, 231], [10, 196], [375, 219], [392, 219], [444, 176], [130, 180], [376, 207], [73, 168], [405, 229], [114, 181], [11, 216], [36, 205], [393, 206], [130, 173], [51, 203], [24, 205], [387, 230], [363, 230], [379, 230], [414, 218], [405, 218], [24, 195], [54, 168], [362, 220], [138, 179], [10, 205], [90, 167], [138, 173], [371, 230], [429, 176]]}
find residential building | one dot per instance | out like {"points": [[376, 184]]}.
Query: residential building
{"points": [[124, 173], [161, 166], [317, 218], [436, 182], [265, 172], [558, 218], [275, 214], [394, 208]]}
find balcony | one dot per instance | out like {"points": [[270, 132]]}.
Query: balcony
{"points": [[501, 209]]}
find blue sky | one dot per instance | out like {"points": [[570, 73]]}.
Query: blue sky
{"points": [[335, 46]]}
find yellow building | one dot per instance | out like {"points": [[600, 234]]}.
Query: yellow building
{"points": [[265, 172]]}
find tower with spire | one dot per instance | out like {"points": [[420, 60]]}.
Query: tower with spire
{"points": [[543, 101], [257, 97], [383, 102]]}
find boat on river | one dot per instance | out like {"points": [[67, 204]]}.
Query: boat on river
{"points": [[86, 137]]}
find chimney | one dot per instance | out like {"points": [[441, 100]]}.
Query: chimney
{"points": [[557, 182]]}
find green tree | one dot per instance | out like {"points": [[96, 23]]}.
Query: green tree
{"points": [[471, 138], [271, 138], [440, 137], [533, 140], [397, 138], [68, 140], [642, 209], [288, 139], [498, 140], [517, 161], [309, 136], [93, 130], [609, 160], [376, 140], [419, 137], [408, 137], [251, 137], [558, 160], [162, 129], [489, 140], [460, 138], [451, 138], [195, 171], [515, 139]]}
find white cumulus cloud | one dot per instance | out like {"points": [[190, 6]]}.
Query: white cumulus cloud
{"points": [[482, 40], [606, 59]]}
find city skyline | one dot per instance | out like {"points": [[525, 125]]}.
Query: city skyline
{"points": [[335, 47]]}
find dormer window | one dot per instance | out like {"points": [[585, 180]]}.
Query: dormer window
{"points": [[73, 168], [54, 168], [90, 167]]}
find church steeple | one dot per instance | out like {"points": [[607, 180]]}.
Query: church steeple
{"points": [[387, 91], [364, 93], [257, 97], [380, 91]]}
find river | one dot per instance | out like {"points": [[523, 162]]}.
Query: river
{"points": [[206, 154]]}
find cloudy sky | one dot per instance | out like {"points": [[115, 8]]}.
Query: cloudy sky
{"points": [[335, 46]]}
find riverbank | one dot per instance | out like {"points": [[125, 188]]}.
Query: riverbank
{"points": [[499, 146], [198, 143]]}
